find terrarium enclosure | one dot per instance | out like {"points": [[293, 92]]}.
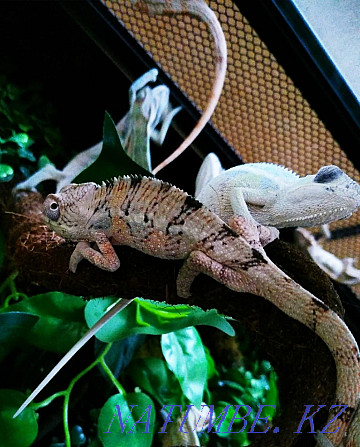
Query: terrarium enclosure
{"points": [[284, 101]]}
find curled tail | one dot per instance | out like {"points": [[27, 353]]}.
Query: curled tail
{"points": [[199, 9]]}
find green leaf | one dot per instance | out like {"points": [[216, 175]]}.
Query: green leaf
{"points": [[211, 368], [6, 173], [61, 322], [24, 152], [113, 161], [21, 139], [153, 376], [225, 428], [184, 353], [272, 396], [14, 325], [109, 430], [43, 161], [19, 432], [150, 317]]}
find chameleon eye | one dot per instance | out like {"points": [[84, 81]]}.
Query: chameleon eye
{"points": [[52, 211]]}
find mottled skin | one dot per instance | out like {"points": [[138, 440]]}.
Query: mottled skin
{"points": [[199, 9], [163, 221], [274, 196]]}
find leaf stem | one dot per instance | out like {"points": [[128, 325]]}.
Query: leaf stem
{"points": [[47, 401], [9, 282], [16, 296], [70, 388], [111, 376]]}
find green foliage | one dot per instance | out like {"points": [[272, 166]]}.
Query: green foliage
{"points": [[153, 375], [26, 128], [185, 355], [2, 249], [23, 109], [139, 423], [113, 161], [210, 365], [54, 321], [19, 432], [253, 385], [150, 317], [6, 172], [14, 327], [61, 321]]}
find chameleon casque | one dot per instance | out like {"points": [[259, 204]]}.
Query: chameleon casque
{"points": [[163, 221]]}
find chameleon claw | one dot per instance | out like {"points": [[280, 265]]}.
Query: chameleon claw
{"points": [[77, 255]]}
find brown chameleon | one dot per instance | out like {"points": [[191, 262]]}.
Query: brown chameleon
{"points": [[163, 221]]}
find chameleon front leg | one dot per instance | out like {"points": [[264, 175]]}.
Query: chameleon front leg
{"points": [[245, 225], [139, 84], [187, 274], [199, 262], [158, 136], [106, 259]]}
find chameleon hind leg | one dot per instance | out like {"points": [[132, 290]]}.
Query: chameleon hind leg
{"points": [[199, 262], [255, 234], [105, 259]]}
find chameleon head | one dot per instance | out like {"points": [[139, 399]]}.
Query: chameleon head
{"points": [[327, 196], [69, 211]]}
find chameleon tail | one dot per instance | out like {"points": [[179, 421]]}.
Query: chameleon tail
{"points": [[120, 305], [274, 285], [199, 9]]}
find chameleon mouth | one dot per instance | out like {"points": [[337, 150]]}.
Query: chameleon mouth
{"points": [[342, 211]]}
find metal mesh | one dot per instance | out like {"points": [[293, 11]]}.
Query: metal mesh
{"points": [[261, 113]]}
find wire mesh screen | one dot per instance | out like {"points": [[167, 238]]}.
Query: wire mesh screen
{"points": [[261, 113]]}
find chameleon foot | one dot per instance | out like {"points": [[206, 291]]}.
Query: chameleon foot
{"points": [[255, 234], [199, 262], [106, 259]]}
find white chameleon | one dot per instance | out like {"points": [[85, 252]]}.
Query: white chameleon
{"points": [[149, 109], [274, 196]]}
